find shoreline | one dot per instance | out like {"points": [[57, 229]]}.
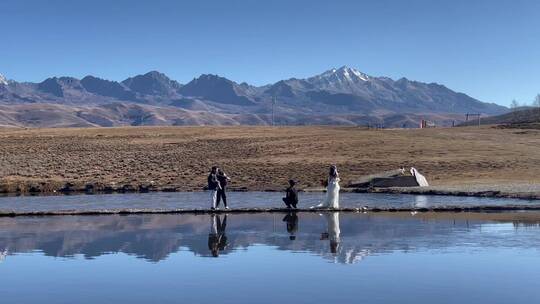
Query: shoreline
{"points": [[516, 191], [128, 211], [488, 191]]}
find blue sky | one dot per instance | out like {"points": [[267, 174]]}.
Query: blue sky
{"points": [[487, 49]]}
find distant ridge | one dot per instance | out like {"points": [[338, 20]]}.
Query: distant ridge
{"points": [[332, 97], [522, 116]]}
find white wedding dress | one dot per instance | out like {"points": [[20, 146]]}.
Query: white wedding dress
{"points": [[420, 179], [332, 194]]}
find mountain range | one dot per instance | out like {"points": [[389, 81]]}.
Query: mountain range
{"points": [[343, 96]]}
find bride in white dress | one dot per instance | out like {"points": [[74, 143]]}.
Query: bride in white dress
{"points": [[420, 179], [332, 190]]}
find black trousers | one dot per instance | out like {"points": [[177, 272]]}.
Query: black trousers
{"points": [[221, 194], [289, 203]]}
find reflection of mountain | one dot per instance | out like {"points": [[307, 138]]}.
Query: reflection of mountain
{"points": [[3, 255], [154, 237]]}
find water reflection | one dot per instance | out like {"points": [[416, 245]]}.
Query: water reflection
{"points": [[421, 201], [217, 239], [192, 200], [3, 255], [338, 237], [291, 219], [332, 232]]}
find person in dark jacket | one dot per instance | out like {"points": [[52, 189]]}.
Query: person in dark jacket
{"points": [[291, 195], [213, 186], [223, 179]]}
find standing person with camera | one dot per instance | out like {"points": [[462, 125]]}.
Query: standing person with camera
{"points": [[223, 180]]}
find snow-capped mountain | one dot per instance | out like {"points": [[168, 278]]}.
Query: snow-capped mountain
{"points": [[347, 90], [336, 96], [344, 79]]}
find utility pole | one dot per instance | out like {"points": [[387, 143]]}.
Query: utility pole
{"points": [[477, 115], [273, 105]]}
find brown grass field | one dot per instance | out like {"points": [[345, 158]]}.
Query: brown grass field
{"points": [[259, 158]]}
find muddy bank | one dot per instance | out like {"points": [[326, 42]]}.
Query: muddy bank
{"points": [[518, 191], [59, 188]]}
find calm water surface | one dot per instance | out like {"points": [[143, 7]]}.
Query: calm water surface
{"points": [[272, 258], [200, 200]]}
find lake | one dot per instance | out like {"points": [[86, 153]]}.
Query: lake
{"points": [[270, 257], [200, 200]]}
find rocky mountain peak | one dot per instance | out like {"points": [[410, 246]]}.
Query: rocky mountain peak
{"points": [[343, 79], [107, 88], [212, 77], [152, 83], [217, 89], [342, 74]]}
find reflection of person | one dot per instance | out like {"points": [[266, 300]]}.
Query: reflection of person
{"points": [[291, 195], [217, 240], [213, 187], [333, 231], [420, 201], [223, 179], [332, 190], [292, 224]]}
